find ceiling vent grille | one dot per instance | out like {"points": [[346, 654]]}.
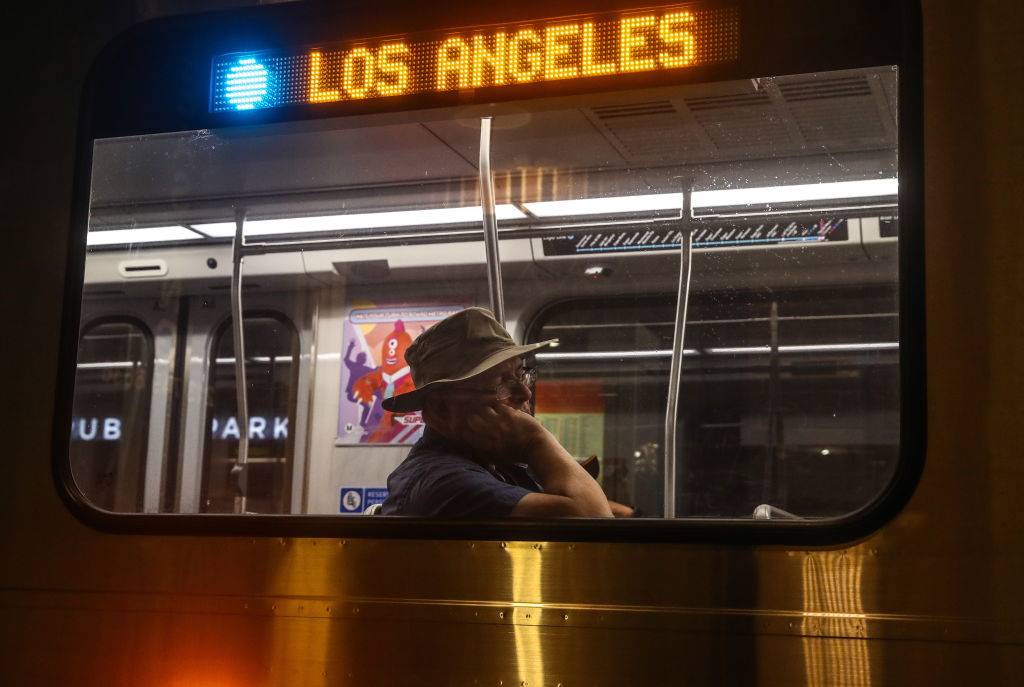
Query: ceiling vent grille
{"points": [[646, 132], [836, 113], [828, 89], [657, 107], [725, 102], [746, 122]]}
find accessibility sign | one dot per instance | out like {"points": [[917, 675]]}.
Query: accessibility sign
{"points": [[355, 500], [352, 500]]}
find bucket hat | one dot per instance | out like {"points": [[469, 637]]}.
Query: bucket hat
{"points": [[457, 348]]}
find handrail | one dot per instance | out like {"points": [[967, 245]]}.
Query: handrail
{"points": [[675, 370], [490, 223], [239, 472], [766, 511]]}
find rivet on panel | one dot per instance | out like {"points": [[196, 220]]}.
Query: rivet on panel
{"points": [[501, 614], [565, 616]]}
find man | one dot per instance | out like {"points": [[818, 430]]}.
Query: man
{"points": [[482, 455]]}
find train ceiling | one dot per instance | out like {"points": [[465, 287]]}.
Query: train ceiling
{"points": [[823, 125]]}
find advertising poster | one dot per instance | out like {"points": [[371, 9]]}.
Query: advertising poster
{"points": [[373, 368], [574, 412]]}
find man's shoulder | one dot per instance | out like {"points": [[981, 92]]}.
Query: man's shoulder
{"points": [[428, 460], [436, 479]]}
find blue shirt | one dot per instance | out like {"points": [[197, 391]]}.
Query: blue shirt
{"points": [[438, 480]]}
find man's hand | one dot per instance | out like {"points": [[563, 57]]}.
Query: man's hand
{"points": [[493, 431]]}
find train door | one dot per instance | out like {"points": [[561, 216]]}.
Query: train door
{"points": [[124, 405], [278, 341]]}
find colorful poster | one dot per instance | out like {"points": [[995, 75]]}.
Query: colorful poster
{"points": [[373, 368], [573, 410]]}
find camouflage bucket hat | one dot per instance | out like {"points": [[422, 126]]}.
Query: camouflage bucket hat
{"points": [[457, 348]]}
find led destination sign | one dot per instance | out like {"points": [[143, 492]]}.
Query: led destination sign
{"points": [[587, 46]]}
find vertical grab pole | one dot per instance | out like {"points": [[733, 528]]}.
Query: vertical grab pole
{"points": [[239, 472], [490, 223], [678, 339]]}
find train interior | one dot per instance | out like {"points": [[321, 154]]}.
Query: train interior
{"points": [[361, 231]]}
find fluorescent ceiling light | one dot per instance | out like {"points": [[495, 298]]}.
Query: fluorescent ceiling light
{"points": [[365, 220], [145, 235], [820, 348], [765, 195], [737, 350], [612, 355], [731, 350], [108, 365], [606, 206], [797, 193]]}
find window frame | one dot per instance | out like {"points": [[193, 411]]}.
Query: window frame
{"points": [[171, 53]]}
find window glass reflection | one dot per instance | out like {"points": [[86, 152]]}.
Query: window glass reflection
{"points": [[110, 419], [271, 346]]}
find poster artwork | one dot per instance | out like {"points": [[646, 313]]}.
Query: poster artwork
{"points": [[373, 368]]}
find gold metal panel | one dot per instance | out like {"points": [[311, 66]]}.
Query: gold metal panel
{"points": [[934, 597]]}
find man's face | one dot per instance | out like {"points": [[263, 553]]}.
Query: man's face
{"points": [[502, 383]]}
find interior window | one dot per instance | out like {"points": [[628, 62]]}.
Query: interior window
{"points": [[271, 366], [789, 398], [110, 421]]}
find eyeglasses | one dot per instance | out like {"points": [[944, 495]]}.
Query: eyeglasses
{"points": [[504, 389], [526, 376]]}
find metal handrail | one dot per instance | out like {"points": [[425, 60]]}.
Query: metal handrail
{"points": [[766, 511], [675, 370], [239, 472], [490, 223]]}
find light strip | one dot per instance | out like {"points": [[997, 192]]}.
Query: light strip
{"points": [[611, 355], [144, 235], [820, 348], [731, 198], [797, 193], [108, 365], [738, 350], [366, 220], [733, 350], [615, 205]]}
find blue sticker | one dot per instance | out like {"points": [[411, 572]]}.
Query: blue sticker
{"points": [[375, 496], [352, 500]]}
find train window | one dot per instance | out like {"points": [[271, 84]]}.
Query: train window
{"points": [[721, 229], [110, 421], [790, 398], [271, 362]]}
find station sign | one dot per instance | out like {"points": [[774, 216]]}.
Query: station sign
{"points": [[502, 56]]}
